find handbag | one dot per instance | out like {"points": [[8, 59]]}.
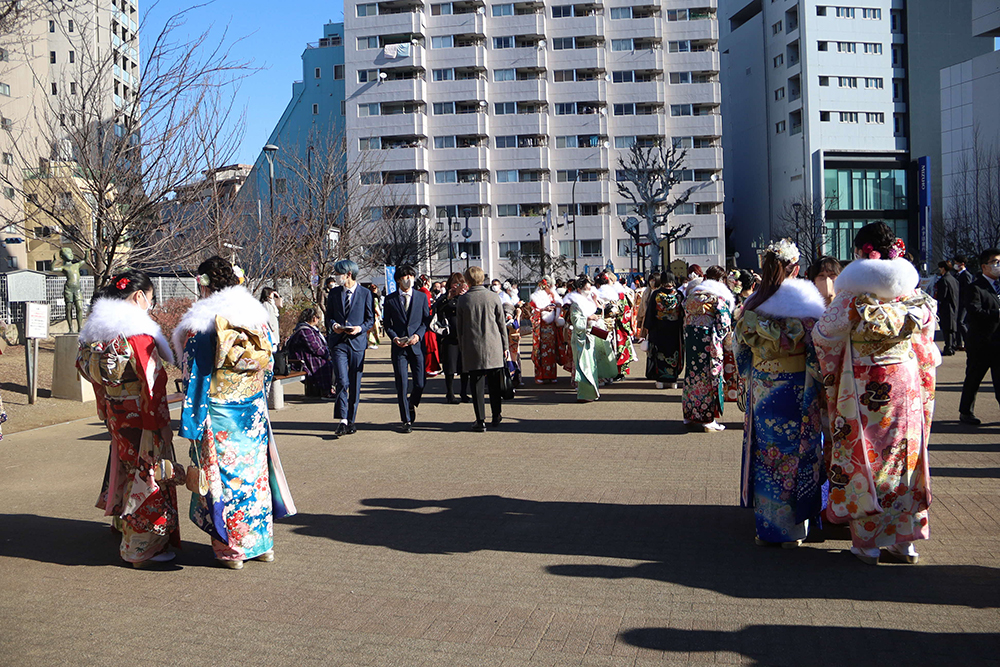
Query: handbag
{"points": [[281, 362], [439, 325], [506, 384], [600, 333]]}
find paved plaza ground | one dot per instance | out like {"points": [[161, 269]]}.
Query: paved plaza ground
{"points": [[595, 534]]}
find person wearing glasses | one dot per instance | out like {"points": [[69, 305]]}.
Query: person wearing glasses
{"points": [[982, 309]]}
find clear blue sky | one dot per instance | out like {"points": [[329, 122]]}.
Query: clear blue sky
{"points": [[275, 36]]}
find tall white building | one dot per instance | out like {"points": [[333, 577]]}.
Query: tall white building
{"points": [[827, 110], [60, 51], [513, 112]]}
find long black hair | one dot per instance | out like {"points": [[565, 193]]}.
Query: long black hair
{"points": [[124, 285]]}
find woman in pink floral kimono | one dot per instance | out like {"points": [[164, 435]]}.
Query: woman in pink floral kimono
{"points": [[877, 355], [708, 318]]}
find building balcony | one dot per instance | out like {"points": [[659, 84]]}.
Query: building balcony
{"points": [[396, 124], [388, 24], [469, 89], [466, 56], [472, 22], [470, 124]]}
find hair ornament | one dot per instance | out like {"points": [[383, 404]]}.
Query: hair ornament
{"points": [[785, 250], [238, 272], [897, 250], [122, 283], [204, 281]]}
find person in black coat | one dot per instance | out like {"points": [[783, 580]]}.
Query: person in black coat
{"points": [[965, 278], [946, 292], [350, 313], [982, 307], [406, 316]]}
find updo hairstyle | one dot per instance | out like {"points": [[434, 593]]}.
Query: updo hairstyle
{"points": [[219, 273], [878, 235]]}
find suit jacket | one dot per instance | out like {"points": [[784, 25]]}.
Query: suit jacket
{"points": [[401, 324], [362, 314], [482, 332], [946, 293], [982, 307]]}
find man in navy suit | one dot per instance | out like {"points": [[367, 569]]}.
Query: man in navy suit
{"points": [[405, 320], [350, 313]]}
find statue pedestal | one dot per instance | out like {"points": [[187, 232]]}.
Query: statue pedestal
{"points": [[66, 380]]}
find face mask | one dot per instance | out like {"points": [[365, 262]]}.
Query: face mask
{"points": [[495, 288], [405, 284], [991, 271], [339, 280], [561, 291], [149, 304]]}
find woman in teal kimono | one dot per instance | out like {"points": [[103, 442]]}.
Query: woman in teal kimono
{"points": [[224, 345], [708, 312], [782, 471], [582, 316]]}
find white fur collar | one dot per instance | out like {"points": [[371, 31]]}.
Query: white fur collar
{"points": [[691, 285], [235, 304], [609, 292], [795, 298], [584, 303], [715, 288], [885, 278], [111, 318], [541, 299]]}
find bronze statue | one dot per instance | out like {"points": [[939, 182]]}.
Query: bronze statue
{"points": [[72, 290]]}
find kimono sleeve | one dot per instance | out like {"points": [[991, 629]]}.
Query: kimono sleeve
{"points": [[199, 354], [153, 401]]}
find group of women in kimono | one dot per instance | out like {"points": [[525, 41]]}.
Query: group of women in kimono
{"points": [[223, 346], [839, 392]]}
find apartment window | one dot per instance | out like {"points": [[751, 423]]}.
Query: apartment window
{"points": [[565, 108], [504, 74], [368, 109], [622, 44], [627, 109], [874, 14], [72, 87], [447, 74], [844, 12], [683, 46], [52, 57], [897, 55], [503, 10], [506, 141], [338, 72], [898, 90], [318, 73], [824, 81], [621, 13], [847, 47], [779, 127], [8, 158], [8, 192], [824, 116], [626, 209], [779, 60], [779, 94], [368, 42], [506, 211], [591, 247], [562, 11], [444, 142], [876, 118], [899, 124], [848, 116], [6, 124], [776, 29], [367, 75], [343, 107], [55, 88], [52, 26], [820, 10], [443, 42], [563, 43], [847, 81], [681, 110], [368, 10], [874, 48], [873, 82], [704, 245], [315, 109], [567, 142], [822, 46], [71, 26], [72, 56], [442, 108], [370, 178], [504, 108], [507, 176], [503, 42], [625, 142], [680, 77], [4, 56], [442, 9], [369, 143], [447, 176], [5, 90]]}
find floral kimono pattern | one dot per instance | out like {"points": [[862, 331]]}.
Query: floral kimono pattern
{"points": [[707, 324], [664, 321], [544, 344], [225, 416], [624, 350], [130, 386], [782, 473], [878, 361]]}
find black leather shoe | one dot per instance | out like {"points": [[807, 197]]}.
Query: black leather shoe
{"points": [[342, 429], [496, 421], [413, 414], [479, 427], [452, 400], [970, 419], [406, 428], [351, 429], [465, 399]]}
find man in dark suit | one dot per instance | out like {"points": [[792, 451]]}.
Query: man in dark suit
{"points": [[946, 293], [406, 315], [350, 313], [965, 278], [982, 307]]}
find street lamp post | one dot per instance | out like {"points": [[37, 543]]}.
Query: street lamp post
{"points": [[451, 245], [269, 151], [573, 210], [467, 234]]}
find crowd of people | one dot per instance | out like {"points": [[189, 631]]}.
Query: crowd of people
{"points": [[835, 374]]}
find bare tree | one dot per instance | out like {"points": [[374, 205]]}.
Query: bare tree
{"points": [[530, 266], [650, 175], [801, 220], [125, 142], [402, 236], [972, 219]]}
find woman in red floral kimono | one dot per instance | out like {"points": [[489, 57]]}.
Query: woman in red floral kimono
{"points": [[121, 354], [877, 355], [544, 340], [432, 361]]}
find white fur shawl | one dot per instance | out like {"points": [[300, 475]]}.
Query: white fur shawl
{"points": [[885, 278], [583, 302], [794, 298], [235, 304], [609, 292], [690, 285], [111, 318], [715, 288]]}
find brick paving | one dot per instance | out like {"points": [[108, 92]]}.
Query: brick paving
{"points": [[575, 535]]}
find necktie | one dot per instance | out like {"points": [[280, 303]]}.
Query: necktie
{"points": [[406, 304], [996, 286], [347, 303]]}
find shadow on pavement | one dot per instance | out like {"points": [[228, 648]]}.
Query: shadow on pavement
{"points": [[972, 473], [704, 547], [824, 645]]}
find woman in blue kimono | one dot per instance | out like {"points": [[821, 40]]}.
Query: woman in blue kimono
{"points": [[224, 346], [783, 433]]}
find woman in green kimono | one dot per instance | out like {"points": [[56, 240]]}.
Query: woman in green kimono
{"points": [[582, 316]]}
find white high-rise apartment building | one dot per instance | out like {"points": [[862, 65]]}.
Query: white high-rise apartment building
{"points": [[510, 113], [60, 50]]}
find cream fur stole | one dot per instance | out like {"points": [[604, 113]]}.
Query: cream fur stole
{"points": [[235, 304], [885, 278], [584, 303], [795, 298], [715, 288], [111, 318]]}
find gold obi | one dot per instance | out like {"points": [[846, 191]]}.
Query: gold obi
{"points": [[792, 364], [109, 364], [241, 357], [884, 330], [778, 344]]}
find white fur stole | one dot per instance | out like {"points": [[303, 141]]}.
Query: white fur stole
{"points": [[236, 304], [885, 278], [582, 301], [111, 318], [715, 288], [795, 298]]}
